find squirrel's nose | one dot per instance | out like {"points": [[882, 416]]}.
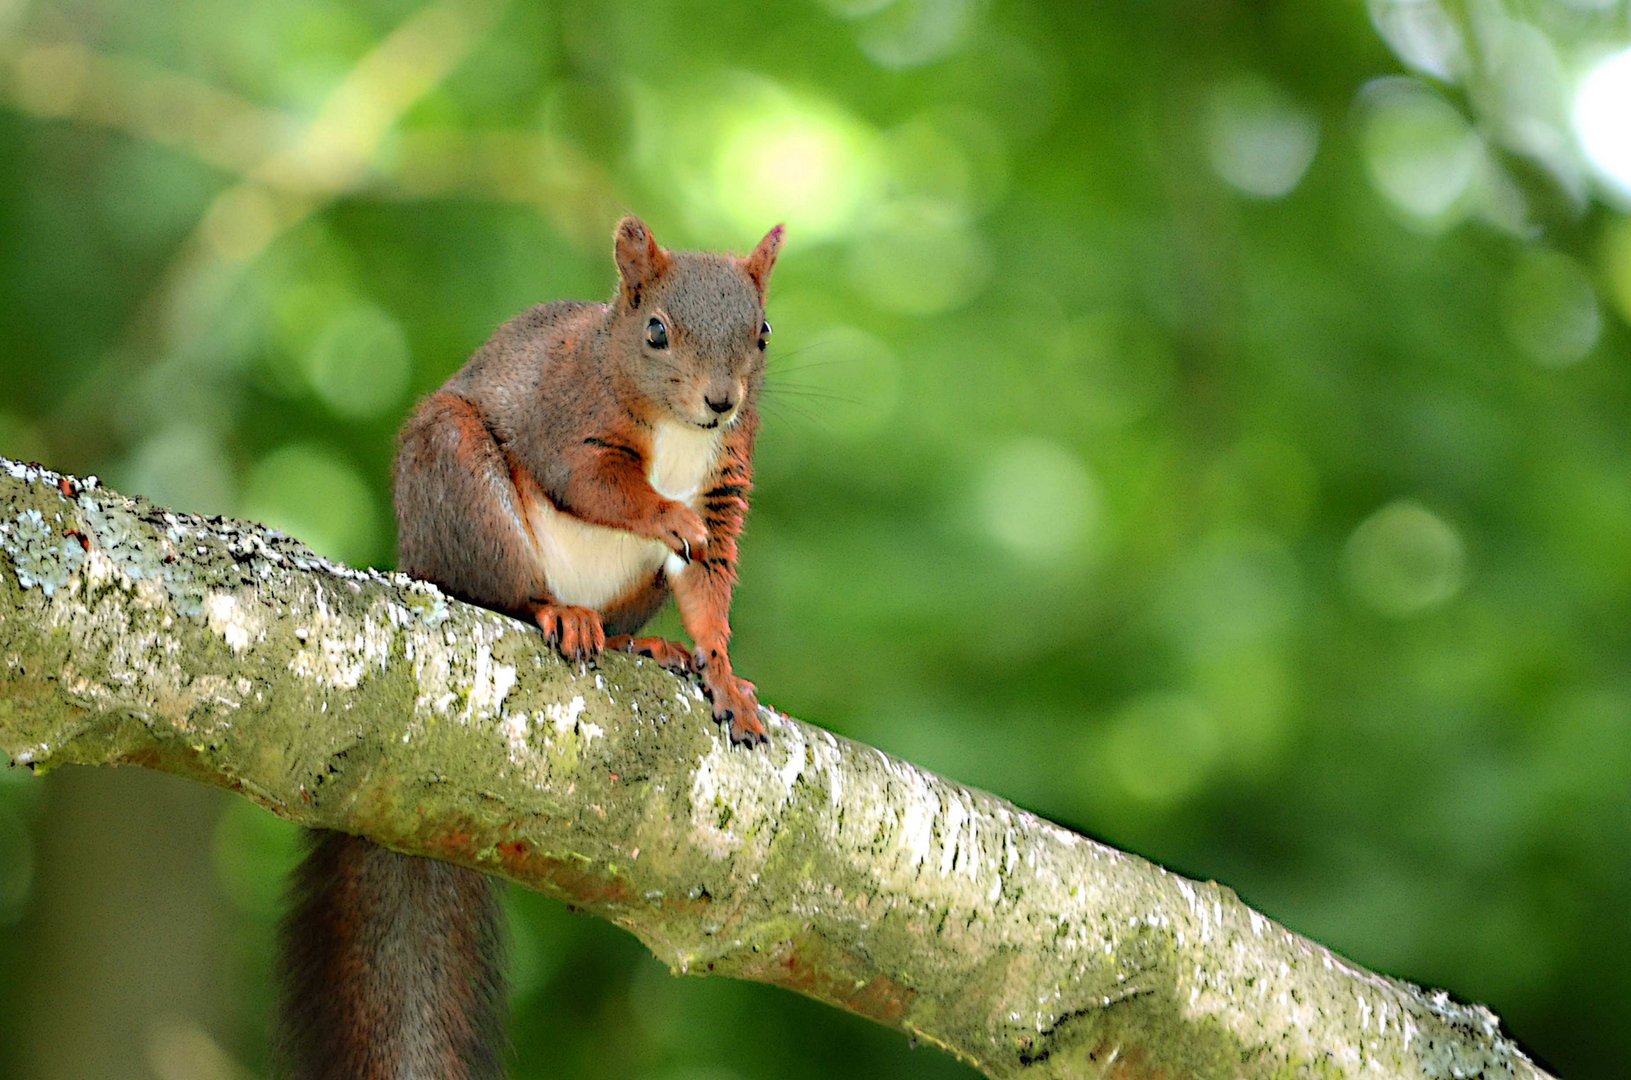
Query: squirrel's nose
{"points": [[722, 405]]}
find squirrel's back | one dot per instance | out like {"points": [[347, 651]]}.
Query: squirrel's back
{"points": [[507, 373]]}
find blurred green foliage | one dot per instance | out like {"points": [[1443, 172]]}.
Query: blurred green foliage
{"points": [[1202, 422]]}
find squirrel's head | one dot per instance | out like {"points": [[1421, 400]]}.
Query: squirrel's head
{"points": [[691, 325]]}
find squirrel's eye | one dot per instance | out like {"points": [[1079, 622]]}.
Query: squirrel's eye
{"points": [[764, 335], [657, 334]]}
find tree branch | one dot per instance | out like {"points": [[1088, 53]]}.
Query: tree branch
{"points": [[362, 701]]}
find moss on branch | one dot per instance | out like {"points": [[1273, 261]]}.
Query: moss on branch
{"points": [[366, 702]]}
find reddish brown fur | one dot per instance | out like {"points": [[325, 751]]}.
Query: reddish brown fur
{"points": [[561, 406], [670, 654], [392, 963], [705, 601]]}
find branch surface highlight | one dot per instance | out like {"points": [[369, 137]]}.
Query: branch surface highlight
{"points": [[366, 702]]}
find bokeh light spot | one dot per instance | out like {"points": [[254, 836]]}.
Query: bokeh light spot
{"points": [[919, 262], [1550, 309], [955, 158], [1259, 140], [1421, 153], [304, 490], [784, 157], [1250, 690], [1422, 34], [911, 33], [1602, 119], [1038, 501], [1404, 560], [359, 364], [1240, 589], [1162, 747], [181, 466]]}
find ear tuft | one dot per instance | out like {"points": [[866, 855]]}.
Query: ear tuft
{"points": [[759, 264], [639, 260]]}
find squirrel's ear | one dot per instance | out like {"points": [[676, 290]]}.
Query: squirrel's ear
{"points": [[639, 260], [759, 264]]}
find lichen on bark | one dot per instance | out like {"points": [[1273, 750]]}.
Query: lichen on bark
{"points": [[366, 702]]}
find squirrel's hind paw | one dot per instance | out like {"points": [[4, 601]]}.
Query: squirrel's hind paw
{"points": [[670, 654], [575, 632]]}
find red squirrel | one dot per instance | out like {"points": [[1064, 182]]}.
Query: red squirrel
{"points": [[586, 461]]}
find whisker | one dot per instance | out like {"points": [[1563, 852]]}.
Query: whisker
{"points": [[783, 384], [779, 358], [779, 373], [811, 392], [776, 355], [788, 409]]}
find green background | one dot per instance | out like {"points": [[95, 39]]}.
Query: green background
{"points": [[1202, 422]]}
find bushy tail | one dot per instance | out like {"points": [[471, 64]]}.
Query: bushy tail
{"points": [[391, 968]]}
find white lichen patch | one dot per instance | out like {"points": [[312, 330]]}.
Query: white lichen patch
{"points": [[492, 684], [711, 817], [516, 725], [1268, 986], [565, 717], [425, 600], [793, 768], [235, 623], [919, 811], [916, 834], [333, 658], [40, 556], [821, 751], [959, 847], [736, 792]]}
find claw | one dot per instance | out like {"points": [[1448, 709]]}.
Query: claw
{"points": [[743, 735], [575, 633]]}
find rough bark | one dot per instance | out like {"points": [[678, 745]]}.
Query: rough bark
{"points": [[362, 701]]}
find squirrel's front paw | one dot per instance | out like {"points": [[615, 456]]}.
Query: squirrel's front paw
{"points": [[576, 632], [736, 702], [681, 528]]}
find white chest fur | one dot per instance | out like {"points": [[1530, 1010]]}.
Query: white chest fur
{"points": [[591, 565], [682, 457]]}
